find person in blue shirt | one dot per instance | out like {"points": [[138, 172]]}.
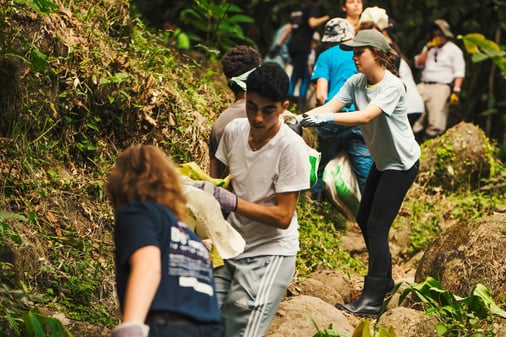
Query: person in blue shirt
{"points": [[164, 276], [333, 67]]}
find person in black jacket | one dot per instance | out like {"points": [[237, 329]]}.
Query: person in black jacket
{"points": [[299, 48]]}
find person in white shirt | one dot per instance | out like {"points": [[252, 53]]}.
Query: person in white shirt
{"points": [[269, 166], [237, 64], [443, 72]]}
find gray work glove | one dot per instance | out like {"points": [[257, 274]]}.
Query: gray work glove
{"points": [[318, 119], [130, 329], [226, 199]]}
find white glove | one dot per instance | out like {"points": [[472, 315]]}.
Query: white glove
{"points": [[318, 119], [130, 329]]}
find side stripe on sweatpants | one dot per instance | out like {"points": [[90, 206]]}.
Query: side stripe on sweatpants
{"points": [[266, 283]]}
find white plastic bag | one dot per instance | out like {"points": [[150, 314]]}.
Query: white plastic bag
{"points": [[342, 186], [208, 223]]}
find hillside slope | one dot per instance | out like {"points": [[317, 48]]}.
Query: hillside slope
{"points": [[79, 82]]}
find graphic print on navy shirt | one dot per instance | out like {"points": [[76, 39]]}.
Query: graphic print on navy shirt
{"points": [[189, 259]]}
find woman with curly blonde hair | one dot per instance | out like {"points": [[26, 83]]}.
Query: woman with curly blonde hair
{"points": [[164, 277], [146, 173]]}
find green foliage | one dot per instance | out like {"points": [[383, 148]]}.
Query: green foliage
{"points": [[329, 332], [471, 206], [6, 231], [40, 7], [12, 43], [320, 239], [425, 214], [38, 325], [217, 25], [364, 329], [71, 272], [11, 302], [470, 316], [9, 298], [482, 49], [424, 223]]}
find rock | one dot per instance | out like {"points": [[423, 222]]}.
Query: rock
{"points": [[456, 160], [409, 322], [332, 286], [352, 241], [466, 254], [294, 315]]}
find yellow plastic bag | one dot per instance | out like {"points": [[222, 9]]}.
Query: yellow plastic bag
{"points": [[193, 171]]}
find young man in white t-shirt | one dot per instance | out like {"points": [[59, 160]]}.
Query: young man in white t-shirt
{"points": [[269, 166]]}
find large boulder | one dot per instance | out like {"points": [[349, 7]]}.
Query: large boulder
{"points": [[409, 322], [295, 317], [332, 286], [466, 254], [456, 160]]}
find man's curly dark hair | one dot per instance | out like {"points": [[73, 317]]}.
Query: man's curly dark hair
{"points": [[269, 80], [239, 60]]}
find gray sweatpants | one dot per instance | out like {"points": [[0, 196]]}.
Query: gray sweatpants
{"points": [[249, 292]]}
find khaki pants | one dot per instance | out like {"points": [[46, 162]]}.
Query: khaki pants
{"points": [[435, 97]]}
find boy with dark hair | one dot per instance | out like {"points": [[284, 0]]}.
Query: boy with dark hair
{"points": [[237, 63], [269, 167]]}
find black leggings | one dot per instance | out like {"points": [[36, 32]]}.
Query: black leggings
{"points": [[384, 192]]}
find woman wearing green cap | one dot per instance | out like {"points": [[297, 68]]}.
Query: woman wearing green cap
{"points": [[379, 96]]}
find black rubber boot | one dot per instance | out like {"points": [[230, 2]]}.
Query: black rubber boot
{"points": [[371, 300]]}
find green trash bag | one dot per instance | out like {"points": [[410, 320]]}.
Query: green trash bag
{"points": [[341, 185], [314, 160]]}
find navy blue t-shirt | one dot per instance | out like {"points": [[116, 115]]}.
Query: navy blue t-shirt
{"points": [[187, 285]]}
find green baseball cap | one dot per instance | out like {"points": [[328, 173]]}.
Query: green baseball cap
{"points": [[367, 38]]}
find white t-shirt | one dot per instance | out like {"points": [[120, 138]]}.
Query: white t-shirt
{"points": [[282, 165], [443, 64], [389, 136], [414, 100]]}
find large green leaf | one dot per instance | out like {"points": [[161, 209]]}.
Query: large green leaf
{"points": [[482, 49], [483, 293], [35, 323]]}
